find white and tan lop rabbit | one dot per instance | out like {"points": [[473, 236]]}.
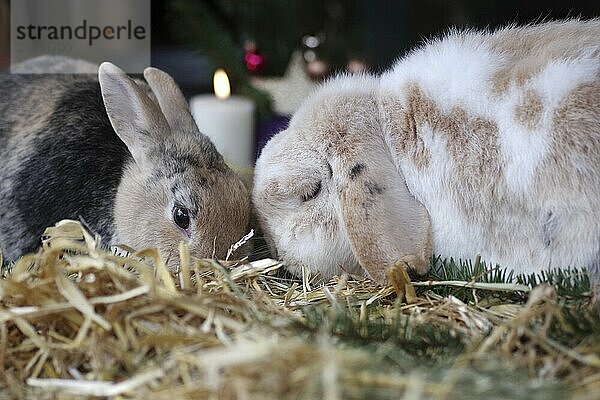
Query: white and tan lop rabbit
{"points": [[476, 143]]}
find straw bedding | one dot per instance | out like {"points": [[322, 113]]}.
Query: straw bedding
{"points": [[77, 320]]}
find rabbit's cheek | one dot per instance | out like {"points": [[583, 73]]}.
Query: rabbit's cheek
{"points": [[318, 239], [317, 216], [327, 253]]}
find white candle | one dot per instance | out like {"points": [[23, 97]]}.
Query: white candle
{"points": [[228, 121]]}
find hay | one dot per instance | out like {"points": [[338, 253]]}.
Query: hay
{"points": [[78, 320]]}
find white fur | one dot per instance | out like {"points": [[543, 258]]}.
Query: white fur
{"points": [[451, 71], [301, 233], [456, 71]]}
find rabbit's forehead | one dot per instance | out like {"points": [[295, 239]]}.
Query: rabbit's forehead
{"points": [[278, 181], [318, 141], [336, 114], [206, 183], [296, 174], [191, 186], [306, 155], [329, 127], [286, 154]]}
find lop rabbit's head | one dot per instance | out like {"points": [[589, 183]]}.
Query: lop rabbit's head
{"points": [[327, 192]]}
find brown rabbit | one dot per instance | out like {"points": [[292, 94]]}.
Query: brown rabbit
{"points": [[135, 169]]}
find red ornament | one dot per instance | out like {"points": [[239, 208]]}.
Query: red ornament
{"points": [[255, 62]]}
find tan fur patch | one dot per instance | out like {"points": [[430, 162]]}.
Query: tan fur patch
{"points": [[401, 126], [546, 41], [472, 145], [529, 49], [500, 81], [529, 112], [575, 151], [516, 76]]}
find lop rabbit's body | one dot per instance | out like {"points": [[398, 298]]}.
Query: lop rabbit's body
{"points": [[477, 143], [123, 156], [498, 136]]}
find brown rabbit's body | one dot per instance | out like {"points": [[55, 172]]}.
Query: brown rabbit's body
{"points": [[100, 150], [57, 163]]}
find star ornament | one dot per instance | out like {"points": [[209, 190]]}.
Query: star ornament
{"points": [[289, 91]]}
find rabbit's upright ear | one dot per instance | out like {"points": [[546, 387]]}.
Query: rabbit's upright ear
{"points": [[171, 100], [384, 222], [136, 119]]}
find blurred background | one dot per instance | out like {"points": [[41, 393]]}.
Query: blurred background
{"points": [[276, 51]]}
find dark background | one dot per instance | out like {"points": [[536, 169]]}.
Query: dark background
{"points": [[375, 31]]}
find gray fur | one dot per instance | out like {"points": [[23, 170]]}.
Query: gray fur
{"points": [[54, 65], [66, 145]]}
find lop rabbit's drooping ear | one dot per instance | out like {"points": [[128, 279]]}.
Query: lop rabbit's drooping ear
{"points": [[384, 222], [136, 119], [330, 179]]}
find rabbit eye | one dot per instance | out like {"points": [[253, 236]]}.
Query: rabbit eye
{"points": [[181, 217], [313, 193]]}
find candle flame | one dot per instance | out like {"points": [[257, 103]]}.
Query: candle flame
{"points": [[221, 84]]}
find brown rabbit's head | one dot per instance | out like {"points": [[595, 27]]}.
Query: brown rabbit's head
{"points": [[177, 186]]}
